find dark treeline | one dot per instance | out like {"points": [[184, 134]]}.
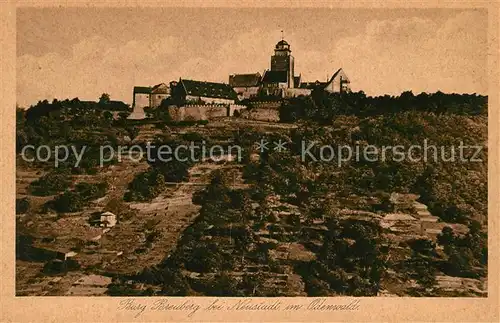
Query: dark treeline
{"points": [[45, 108], [321, 106], [69, 122]]}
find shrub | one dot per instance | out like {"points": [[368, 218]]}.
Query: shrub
{"points": [[224, 285], [22, 205], [193, 136], [67, 202], [145, 186], [91, 191], [50, 184]]}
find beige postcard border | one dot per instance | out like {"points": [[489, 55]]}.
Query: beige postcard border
{"points": [[104, 309]]}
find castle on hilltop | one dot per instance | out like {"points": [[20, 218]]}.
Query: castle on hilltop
{"points": [[279, 82]]}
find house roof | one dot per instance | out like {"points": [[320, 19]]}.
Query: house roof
{"points": [[244, 80], [312, 85], [275, 77], [208, 89], [160, 88], [340, 72], [142, 89]]}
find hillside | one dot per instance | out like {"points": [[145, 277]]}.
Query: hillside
{"points": [[275, 223]]}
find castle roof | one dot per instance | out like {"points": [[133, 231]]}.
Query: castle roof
{"points": [[161, 88], [275, 77], [142, 89], [208, 89], [318, 84], [340, 72], [282, 42], [244, 80]]}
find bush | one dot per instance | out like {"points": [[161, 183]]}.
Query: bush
{"points": [[145, 186], [22, 205], [57, 267], [67, 202], [193, 136], [224, 285], [74, 201], [174, 171], [91, 191], [50, 184], [316, 287]]}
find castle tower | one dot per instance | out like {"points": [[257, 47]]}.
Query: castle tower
{"points": [[282, 60]]}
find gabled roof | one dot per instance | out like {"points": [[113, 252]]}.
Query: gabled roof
{"points": [[318, 84], [160, 88], [142, 89], [244, 80], [275, 77], [340, 72], [208, 89]]}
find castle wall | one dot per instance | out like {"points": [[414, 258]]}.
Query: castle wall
{"points": [[246, 92], [141, 100], [261, 114], [235, 107], [196, 112], [157, 98], [290, 93], [208, 100], [274, 105]]}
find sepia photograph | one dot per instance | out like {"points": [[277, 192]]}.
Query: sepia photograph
{"points": [[251, 152]]}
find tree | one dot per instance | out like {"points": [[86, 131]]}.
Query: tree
{"points": [[22, 205], [50, 184], [253, 284], [316, 287], [459, 261], [204, 258], [174, 283], [123, 115], [423, 270], [224, 285], [104, 99], [446, 237], [67, 202], [108, 116], [145, 186], [423, 246], [132, 132]]}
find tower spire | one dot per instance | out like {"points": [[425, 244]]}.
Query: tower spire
{"points": [[282, 37]]}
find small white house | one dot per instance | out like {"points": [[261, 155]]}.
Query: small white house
{"points": [[108, 220]]}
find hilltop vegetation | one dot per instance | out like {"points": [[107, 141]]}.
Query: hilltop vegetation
{"points": [[323, 107]]}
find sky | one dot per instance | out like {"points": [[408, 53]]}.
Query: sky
{"points": [[83, 52]]}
